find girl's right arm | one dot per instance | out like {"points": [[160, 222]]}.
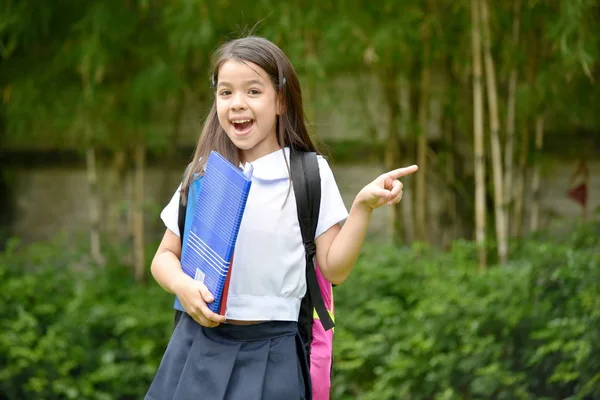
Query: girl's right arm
{"points": [[193, 295]]}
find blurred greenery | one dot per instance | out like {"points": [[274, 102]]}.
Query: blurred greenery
{"points": [[427, 325], [413, 323], [117, 85], [116, 80], [116, 73], [74, 332]]}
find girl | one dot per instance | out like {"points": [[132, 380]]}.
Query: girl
{"points": [[254, 351]]}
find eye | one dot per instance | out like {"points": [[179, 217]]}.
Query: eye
{"points": [[224, 92], [254, 92]]}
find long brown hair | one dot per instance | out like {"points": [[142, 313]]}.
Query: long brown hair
{"points": [[291, 129]]}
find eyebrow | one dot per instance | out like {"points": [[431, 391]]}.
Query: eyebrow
{"points": [[247, 82]]}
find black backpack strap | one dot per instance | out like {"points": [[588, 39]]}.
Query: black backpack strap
{"points": [[182, 209], [181, 218], [306, 180]]}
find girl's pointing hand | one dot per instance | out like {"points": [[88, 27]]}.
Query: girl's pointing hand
{"points": [[385, 189]]}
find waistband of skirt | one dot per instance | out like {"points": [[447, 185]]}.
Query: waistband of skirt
{"points": [[253, 332]]}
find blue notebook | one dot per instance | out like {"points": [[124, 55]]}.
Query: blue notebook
{"points": [[216, 204]]}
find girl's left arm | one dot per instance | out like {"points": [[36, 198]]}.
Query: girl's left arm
{"points": [[338, 248]]}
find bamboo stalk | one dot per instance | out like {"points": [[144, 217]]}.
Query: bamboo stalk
{"points": [[94, 205], [535, 179], [521, 177], [116, 196], [392, 150], [138, 212], [497, 171], [408, 222], [421, 197], [478, 139], [510, 123]]}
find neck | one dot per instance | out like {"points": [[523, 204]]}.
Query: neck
{"points": [[248, 156]]}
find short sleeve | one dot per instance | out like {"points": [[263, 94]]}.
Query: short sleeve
{"points": [[170, 214], [332, 210]]}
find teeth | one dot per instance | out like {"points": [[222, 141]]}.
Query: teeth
{"points": [[241, 121]]}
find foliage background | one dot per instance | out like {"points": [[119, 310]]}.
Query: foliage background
{"points": [[412, 323], [114, 86]]}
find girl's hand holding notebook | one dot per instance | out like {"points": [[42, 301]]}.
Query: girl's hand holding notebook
{"points": [[194, 296]]}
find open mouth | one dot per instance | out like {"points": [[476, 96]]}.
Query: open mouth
{"points": [[242, 126]]}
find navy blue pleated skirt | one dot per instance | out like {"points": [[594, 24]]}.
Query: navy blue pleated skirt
{"points": [[264, 361]]}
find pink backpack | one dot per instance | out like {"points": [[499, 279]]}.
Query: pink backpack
{"points": [[321, 360], [315, 321]]}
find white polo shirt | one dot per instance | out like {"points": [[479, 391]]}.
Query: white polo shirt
{"points": [[268, 272]]}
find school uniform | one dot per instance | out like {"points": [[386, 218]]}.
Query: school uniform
{"points": [[263, 361]]}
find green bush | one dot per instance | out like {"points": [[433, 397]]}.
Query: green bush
{"points": [[71, 331], [419, 324], [412, 323]]}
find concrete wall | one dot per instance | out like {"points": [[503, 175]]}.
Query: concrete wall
{"points": [[48, 201]]}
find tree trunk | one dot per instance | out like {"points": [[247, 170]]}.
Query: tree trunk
{"points": [[138, 212], [535, 179], [510, 124], [492, 92], [459, 120], [414, 96], [521, 178], [116, 196], [531, 42], [392, 148], [408, 222], [450, 223], [478, 138], [94, 206], [421, 198]]}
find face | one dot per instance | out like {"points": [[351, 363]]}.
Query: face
{"points": [[247, 108]]}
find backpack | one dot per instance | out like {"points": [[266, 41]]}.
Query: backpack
{"points": [[316, 317]]}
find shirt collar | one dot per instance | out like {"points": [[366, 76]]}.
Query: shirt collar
{"points": [[272, 166]]}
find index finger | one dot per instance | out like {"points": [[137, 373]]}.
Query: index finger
{"points": [[400, 172]]}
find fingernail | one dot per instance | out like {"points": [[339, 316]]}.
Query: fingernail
{"points": [[211, 299]]}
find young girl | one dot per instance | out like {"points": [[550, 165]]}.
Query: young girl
{"points": [[254, 351]]}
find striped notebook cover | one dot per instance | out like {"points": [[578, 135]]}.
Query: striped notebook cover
{"points": [[213, 225]]}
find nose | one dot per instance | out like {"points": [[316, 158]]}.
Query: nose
{"points": [[238, 102]]}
